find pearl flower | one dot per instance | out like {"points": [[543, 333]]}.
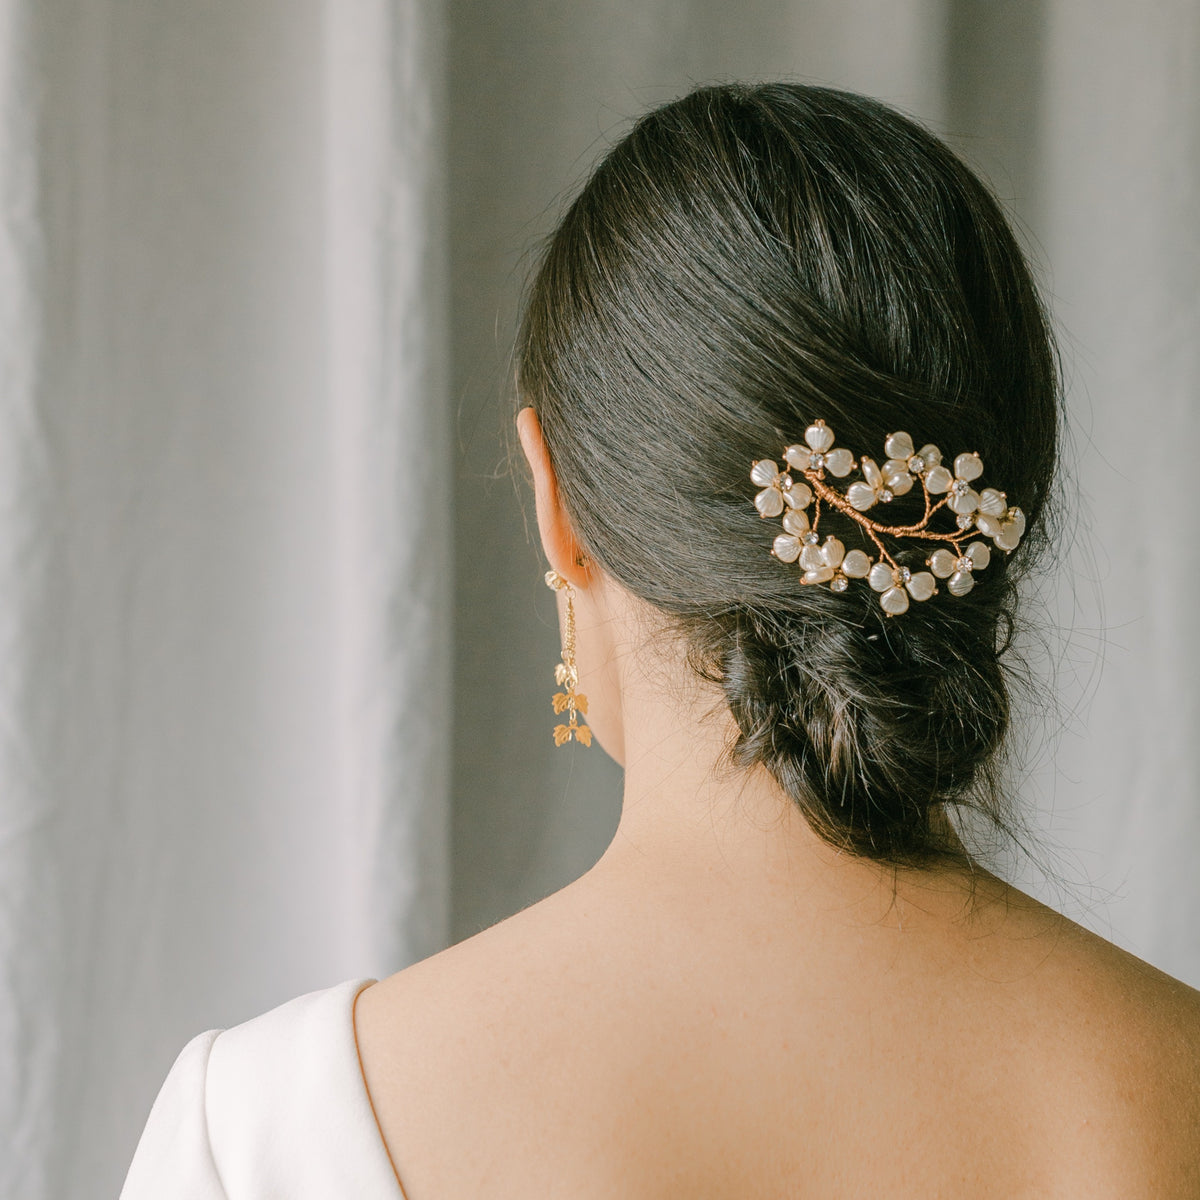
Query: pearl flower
{"points": [[963, 498], [896, 584], [873, 488], [902, 456], [904, 463], [779, 490], [820, 563], [945, 564], [819, 454], [898, 473]]}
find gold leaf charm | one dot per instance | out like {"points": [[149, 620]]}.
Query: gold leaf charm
{"points": [[566, 675]]}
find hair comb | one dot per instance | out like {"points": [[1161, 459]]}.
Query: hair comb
{"points": [[955, 558]]}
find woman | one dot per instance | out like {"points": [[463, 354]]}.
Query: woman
{"points": [[790, 410]]}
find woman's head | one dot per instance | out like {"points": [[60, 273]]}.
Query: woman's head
{"points": [[747, 260]]}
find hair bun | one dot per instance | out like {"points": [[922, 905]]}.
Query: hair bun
{"points": [[870, 725]]}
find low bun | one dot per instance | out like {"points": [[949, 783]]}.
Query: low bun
{"points": [[870, 725], [748, 260]]}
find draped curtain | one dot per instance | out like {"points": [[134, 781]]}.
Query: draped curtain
{"points": [[224, 537], [274, 649]]}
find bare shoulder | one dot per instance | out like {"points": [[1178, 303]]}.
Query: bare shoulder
{"points": [[467, 1055], [1151, 1020], [1139, 1012], [1120, 1044], [582, 1038], [500, 972]]}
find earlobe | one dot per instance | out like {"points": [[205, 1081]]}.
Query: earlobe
{"points": [[558, 538]]}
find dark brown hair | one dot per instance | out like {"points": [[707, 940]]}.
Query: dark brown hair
{"points": [[747, 260]]}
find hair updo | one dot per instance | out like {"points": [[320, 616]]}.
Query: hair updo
{"points": [[747, 260]]}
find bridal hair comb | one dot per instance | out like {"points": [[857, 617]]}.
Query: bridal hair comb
{"points": [[955, 559]]}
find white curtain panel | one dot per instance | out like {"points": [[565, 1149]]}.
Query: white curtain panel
{"points": [[225, 496], [1119, 216]]}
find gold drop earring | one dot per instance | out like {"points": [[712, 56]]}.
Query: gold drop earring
{"points": [[566, 674]]}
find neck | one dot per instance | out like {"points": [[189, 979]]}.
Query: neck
{"points": [[694, 823]]}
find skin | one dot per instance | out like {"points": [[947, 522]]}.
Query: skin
{"points": [[724, 1006]]}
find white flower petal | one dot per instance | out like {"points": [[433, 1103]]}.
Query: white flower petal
{"points": [[769, 502], [894, 601], [901, 485], [856, 565], [899, 445], [1008, 538], [764, 472], [1017, 517], [797, 456], [817, 575], [964, 502], [980, 554], [987, 525], [795, 521], [812, 559], [921, 586], [819, 436], [942, 562], [871, 473], [992, 502], [961, 582], [839, 462], [968, 466], [931, 455], [834, 552], [881, 577], [938, 480], [787, 547], [799, 495], [861, 495]]}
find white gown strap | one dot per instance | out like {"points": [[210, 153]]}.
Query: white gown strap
{"points": [[273, 1108]]}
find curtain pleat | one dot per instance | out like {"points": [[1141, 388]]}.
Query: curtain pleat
{"points": [[224, 537]]}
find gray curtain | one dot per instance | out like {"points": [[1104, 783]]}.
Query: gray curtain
{"points": [[259, 265], [225, 492]]}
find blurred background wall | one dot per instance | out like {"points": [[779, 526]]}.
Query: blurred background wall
{"points": [[275, 653]]}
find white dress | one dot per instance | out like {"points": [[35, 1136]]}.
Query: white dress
{"points": [[275, 1108]]}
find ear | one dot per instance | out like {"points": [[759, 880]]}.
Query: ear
{"points": [[558, 538]]}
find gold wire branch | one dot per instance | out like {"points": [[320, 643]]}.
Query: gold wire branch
{"points": [[979, 515], [836, 500]]}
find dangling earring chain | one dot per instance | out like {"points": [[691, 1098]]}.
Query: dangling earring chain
{"points": [[566, 674]]}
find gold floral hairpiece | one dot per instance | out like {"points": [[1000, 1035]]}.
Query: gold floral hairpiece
{"points": [[986, 511]]}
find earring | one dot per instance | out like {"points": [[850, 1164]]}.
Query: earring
{"points": [[566, 674]]}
